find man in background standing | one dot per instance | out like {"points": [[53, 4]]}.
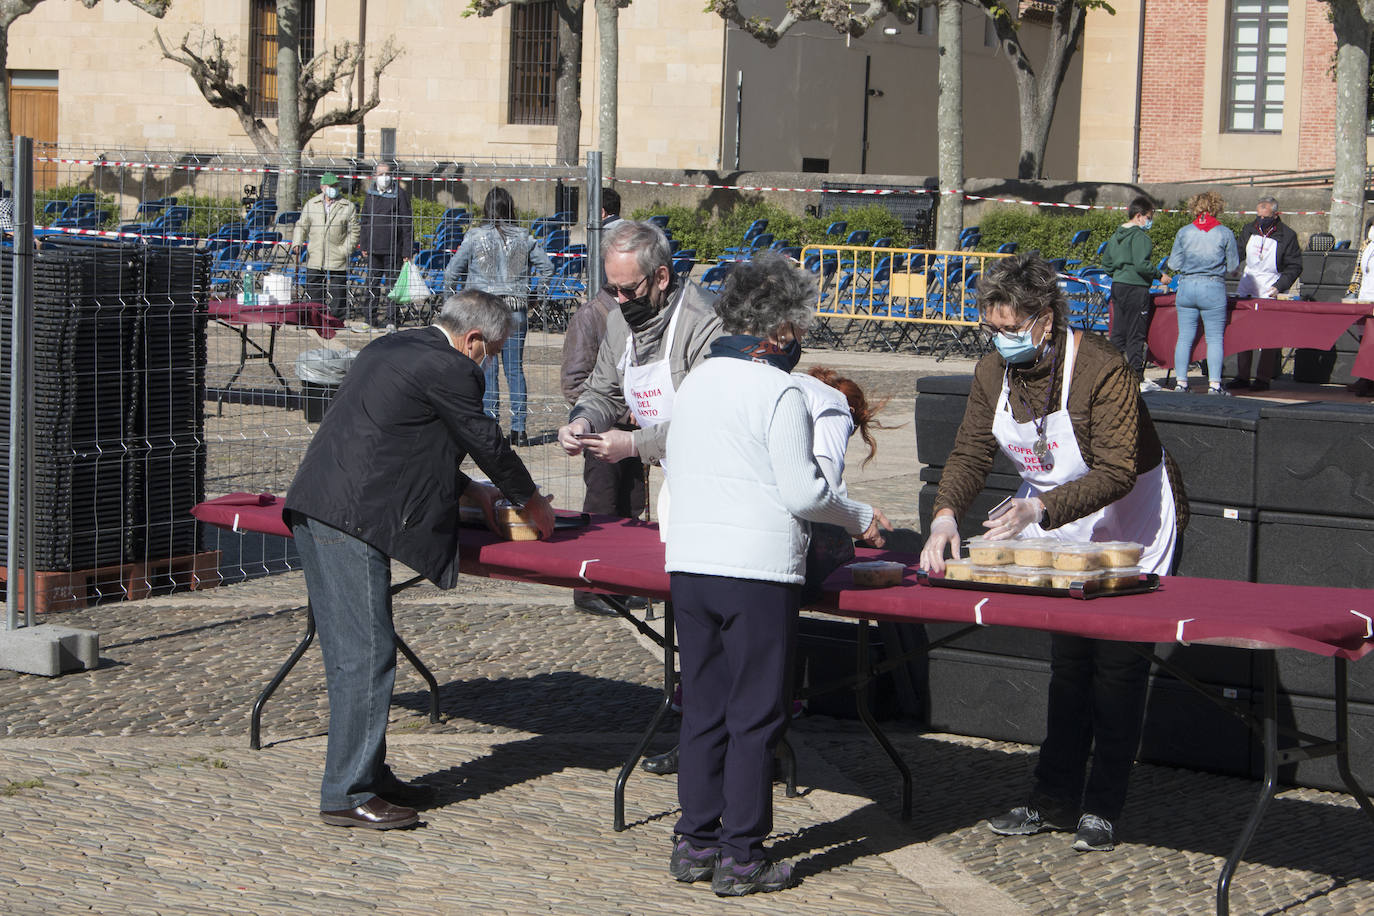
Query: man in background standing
{"points": [[328, 229], [1273, 262], [1128, 257], [386, 242]]}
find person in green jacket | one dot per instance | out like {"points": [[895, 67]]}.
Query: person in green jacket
{"points": [[1127, 256]]}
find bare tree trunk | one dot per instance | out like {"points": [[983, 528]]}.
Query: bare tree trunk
{"points": [[6, 139], [1351, 20], [288, 103], [950, 124], [569, 86], [608, 89]]}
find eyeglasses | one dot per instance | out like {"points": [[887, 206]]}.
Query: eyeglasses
{"points": [[629, 292], [1008, 333]]}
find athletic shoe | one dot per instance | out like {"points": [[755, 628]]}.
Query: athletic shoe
{"points": [[1218, 390], [1259, 384], [1021, 821], [1150, 384], [1239, 384], [689, 863], [1094, 834], [735, 879]]}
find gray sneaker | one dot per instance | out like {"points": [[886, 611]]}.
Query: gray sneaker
{"points": [[1021, 821], [1095, 834], [691, 864], [735, 879]]}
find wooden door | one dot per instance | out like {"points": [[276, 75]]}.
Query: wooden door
{"points": [[33, 113]]}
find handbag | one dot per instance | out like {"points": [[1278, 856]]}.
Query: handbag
{"points": [[830, 548]]}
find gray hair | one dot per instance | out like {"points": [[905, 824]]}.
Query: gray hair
{"points": [[763, 294], [474, 310], [1027, 283], [642, 239]]}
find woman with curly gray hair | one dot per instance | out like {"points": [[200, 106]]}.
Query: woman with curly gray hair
{"points": [[744, 482]]}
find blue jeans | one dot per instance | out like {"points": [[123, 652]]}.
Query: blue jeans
{"points": [[1201, 298], [349, 583], [512, 358]]}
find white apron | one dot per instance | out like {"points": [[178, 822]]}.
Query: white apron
{"points": [[1145, 515], [649, 394], [1366, 291], [1261, 267]]}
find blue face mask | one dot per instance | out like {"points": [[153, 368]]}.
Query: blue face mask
{"points": [[1148, 223], [1019, 348]]}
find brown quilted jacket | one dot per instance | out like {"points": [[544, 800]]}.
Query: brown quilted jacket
{"points": [[1110, 422]]}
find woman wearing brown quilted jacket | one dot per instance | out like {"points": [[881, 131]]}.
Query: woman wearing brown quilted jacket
{"points": [[1065, 407]]}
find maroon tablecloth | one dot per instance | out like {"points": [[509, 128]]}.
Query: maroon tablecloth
{"points": [[1253, 324], [310, 315], [627, 557]]}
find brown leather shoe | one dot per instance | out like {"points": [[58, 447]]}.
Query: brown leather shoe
{"points": [[376, 813]]}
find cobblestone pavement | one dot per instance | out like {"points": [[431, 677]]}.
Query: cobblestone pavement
{"points": [[131, 788]]}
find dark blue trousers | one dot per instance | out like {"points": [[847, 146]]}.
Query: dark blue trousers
{"points": [[735, 639], [1096, 713]]}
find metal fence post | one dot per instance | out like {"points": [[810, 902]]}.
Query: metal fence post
{"points": [[20, 515], [594, 279]]}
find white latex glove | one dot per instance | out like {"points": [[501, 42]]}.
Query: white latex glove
{"points": [[944, 535], [611, 446], [1271, 293], [567, 435], [1019, 514]]}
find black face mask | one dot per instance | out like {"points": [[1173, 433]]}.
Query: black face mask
{"points": [[637, 311], [792, 354], [1266, 222]]}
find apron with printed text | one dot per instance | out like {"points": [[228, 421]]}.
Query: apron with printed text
{"points": [[1261, 267], [649, 394], [1145, 515]]}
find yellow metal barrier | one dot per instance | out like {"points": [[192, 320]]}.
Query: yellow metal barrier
{"points": [[908, 285]]}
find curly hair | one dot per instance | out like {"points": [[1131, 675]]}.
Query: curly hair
{"points": [[1027, 283], [1206, 202], [762, 294], [864, 414]]}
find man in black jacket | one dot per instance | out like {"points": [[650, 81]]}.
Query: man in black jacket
{"points": [[1273, 263], [385, 241], [380, 480]]}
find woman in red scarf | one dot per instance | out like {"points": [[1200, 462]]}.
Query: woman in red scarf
{"points": [[1204, 253]]}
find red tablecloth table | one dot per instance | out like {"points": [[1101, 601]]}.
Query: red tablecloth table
{"points": [[240, 318], [1254, 324], [627, 557]]}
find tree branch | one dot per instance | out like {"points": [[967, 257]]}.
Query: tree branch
{"points": [[336, 71], [213, 75], [156, 8]]}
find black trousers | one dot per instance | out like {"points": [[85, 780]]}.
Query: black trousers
{"points": [[1096, 713], [382, 268], [1131, 310], [329, 288], [736, 640], [613, 488]]}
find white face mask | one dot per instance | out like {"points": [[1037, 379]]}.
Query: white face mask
{"points": [[383, 182], [331, 191], [1370, 234]]}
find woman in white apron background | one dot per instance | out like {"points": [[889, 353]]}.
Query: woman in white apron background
{"points": [[1064, 406], [1273, 263]]}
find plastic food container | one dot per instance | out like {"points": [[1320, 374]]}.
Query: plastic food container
{"points": [[1077, 557], [1061, 578], [1121, 577], [959, 570], [991, 575], [512, 524], [877, 573], [1033, 552], [984, 552], [1031, 576], [1120, 554]]}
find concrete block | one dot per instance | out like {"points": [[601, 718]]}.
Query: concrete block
{"points": [[49, 650]]}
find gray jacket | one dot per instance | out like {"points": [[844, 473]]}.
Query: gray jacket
{"points": [[603, 401], [497, 263]]}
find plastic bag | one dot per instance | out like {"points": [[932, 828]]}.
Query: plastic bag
{"points": [[410, 285], [324, 366]]}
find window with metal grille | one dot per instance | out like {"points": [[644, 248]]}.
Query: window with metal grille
{"points": [[262, 52], [533, 59], [1256, 62]]}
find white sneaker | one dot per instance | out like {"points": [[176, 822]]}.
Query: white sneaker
{"points": [[1150, 384]]}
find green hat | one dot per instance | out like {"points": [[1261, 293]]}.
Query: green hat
{"points": [[329, 178]]}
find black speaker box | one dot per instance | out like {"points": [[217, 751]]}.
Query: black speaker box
{"points": [[1012, 642], [826, 654], [1321, 367], [1305, 549], [1317, 458], [1183, 729], [940, 404], [1213, 441], [1305, 674], [971, 525], [1219, 666], [1219, 543], [1318, 717], [988, 696]]}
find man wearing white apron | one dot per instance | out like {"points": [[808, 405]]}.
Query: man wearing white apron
{"points": [[1273, 263], [1065, 408], [661, 329]]}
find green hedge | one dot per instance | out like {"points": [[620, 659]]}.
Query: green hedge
{"points": [[695, 228], [1049, 231]]}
